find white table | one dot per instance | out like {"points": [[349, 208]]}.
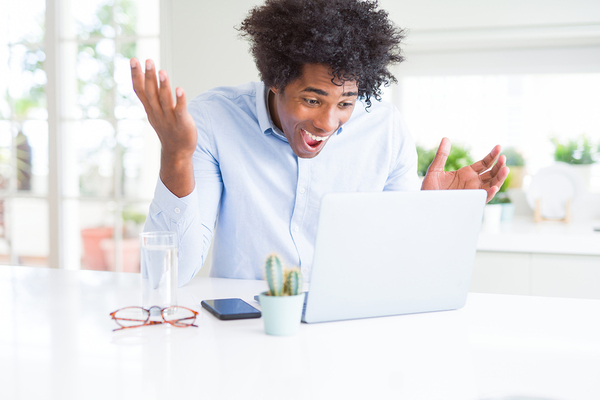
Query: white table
{"points": [[57, 342]]}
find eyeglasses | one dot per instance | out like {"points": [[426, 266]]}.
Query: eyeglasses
{"points": [[134, 317]]}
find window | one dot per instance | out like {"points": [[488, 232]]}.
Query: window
{"points": [[98, 145], [524, 111], [23, 134], [519, 87]]}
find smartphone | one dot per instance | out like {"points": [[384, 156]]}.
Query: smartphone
{"points": [[227, 309]]}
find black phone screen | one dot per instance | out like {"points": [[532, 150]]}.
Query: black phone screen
{"points": [[230, 309]]}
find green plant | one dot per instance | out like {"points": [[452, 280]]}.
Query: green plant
{"points": [[502, 196], [425, 157], [459, 157], [513, 157], [282, 281], [575, 151], [98, 100], [134, 216], [23, 163], [133, 222], [4, 166], [506, 183]]}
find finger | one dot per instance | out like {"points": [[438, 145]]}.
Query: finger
{"points": [[495, 169], [152, 87], [137, 77], [491, 192], [488, 161], [499, 179], [181, 105], [439, 161], [165, 96]]}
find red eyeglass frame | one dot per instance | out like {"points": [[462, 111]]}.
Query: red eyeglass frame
{"points": [[176, 323]]}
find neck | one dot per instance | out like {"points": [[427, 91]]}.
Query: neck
{"points": [[272, 102]]}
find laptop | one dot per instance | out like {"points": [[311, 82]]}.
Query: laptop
{"points": [[393, 253]]}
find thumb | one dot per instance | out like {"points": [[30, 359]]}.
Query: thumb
{"points": [[181, 105], [439, 161]]}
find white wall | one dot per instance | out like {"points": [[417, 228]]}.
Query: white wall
{"points": [[491, 37], [204, 51], [426, 15]]}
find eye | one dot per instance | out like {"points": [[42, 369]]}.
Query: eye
{"points": [[311, 102], [346, 105]]}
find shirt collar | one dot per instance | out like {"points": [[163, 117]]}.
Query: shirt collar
{"points": [[274, 129], [264, 117]]}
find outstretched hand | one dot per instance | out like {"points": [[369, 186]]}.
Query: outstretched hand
{"points": [[173, 124], [483, 174]]}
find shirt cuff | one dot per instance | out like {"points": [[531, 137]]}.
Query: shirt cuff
{"points": [[174, 208]]}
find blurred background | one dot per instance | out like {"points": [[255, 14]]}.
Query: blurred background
{"points": [[79, 162]]}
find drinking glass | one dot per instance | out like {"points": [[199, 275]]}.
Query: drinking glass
{"points": [[159, 269]]}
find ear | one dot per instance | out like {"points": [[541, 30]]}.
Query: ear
{"points": [[274, 89]]}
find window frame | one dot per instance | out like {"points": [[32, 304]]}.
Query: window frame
{"points": [[59, 239]]}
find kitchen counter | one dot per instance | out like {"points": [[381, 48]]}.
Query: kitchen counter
{"points": [[522, 235], [541, 259]]}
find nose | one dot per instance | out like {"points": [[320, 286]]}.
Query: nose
{"points": [[326, 121]]}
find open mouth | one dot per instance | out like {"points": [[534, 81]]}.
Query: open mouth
{"points": [[313, 141]]}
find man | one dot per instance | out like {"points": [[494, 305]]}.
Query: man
{"points": [[255, 160]]}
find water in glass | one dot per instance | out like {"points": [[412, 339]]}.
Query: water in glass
{"points": [[159, 269]]}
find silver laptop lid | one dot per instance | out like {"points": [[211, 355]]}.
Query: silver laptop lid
{"points": [[391, 253]]}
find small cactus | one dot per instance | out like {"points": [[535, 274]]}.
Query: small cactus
{"points": [[293, 282], [282, 281], [275, 275]]}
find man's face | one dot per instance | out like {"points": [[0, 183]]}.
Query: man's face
{"points": [[312, 108]]}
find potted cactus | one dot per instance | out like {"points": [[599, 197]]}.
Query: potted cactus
{"points": [[282, 304]]}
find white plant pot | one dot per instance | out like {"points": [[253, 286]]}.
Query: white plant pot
{"points": [[281, 314], [508, 212], [492, 215], [585, 172]]}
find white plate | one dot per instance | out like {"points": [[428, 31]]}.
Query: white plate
{"points": [[554, 185]]}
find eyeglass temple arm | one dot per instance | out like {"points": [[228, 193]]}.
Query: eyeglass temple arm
{"points": [[136, 326]]}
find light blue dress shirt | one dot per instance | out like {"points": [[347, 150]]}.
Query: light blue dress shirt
{"points": [[254, 196]]}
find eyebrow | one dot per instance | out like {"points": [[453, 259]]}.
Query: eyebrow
{"points": [[320, 92]]}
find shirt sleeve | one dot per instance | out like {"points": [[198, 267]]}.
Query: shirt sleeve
{"points": [[194, 216], [403, 172]]}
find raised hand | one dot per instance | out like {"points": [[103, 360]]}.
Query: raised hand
{"points": [[173, 124], [483, 174]]}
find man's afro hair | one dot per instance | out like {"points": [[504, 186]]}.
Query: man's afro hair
{"points": [[353, 37]]}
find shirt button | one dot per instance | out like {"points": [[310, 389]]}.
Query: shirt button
{"points": [[177, 210], [296, 228], [302, 190]]}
